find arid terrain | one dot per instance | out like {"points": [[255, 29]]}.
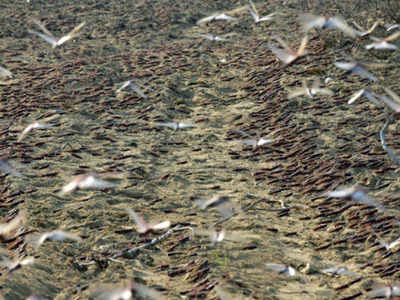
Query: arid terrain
{"points": [[223, 88]]}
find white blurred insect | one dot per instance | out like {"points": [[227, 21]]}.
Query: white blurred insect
{"points": [[35, 125], [214, 235], [86, 181], [253, 11], [5, 73], [255, 143], [212, 37], [310, 21], [175, 125], [390, 27], [363, 32], [281, 269], [387, 291], [125, 291], [212, 202], [143, 227], [224, 295], [394, 102], [49, 37], [383, 44], [13, 265], [355, 193], [388, 246], [216, 16], [364, 92], [356, 68], [288, 55], [7, 230], [223, 204], [339, 271], [35, 297], [8, 166], [132, 85], [219, 235], [311, 91], [55, 235]]}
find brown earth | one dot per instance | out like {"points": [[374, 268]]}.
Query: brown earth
{"points": [[320, 144]]}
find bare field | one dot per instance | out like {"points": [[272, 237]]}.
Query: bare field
{"points": [[221, 87]]}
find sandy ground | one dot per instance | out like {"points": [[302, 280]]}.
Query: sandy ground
{"points": [[221, 87]]}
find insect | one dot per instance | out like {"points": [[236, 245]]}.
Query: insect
{"points": [[355, 193], [310, 21], [216, 236], [311, 91], [288, 55], [364, 92], [13, 265], [85, 181], [383, 44], [393, 103], [253, 11], [256, 143], [223, 204], [132, 85], [5, 73], [339, 271], [125, 291], [35, 125], [176, 125], [213, 37], [390, 27], [214, 17], [7, 166], [49, 37], [8, 229], [387, 291], [55, 235], [356, 68], [281, 269], [144, 227], [362, 32]]}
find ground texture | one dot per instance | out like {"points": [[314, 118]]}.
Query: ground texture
{"points": [[221, 87]]}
